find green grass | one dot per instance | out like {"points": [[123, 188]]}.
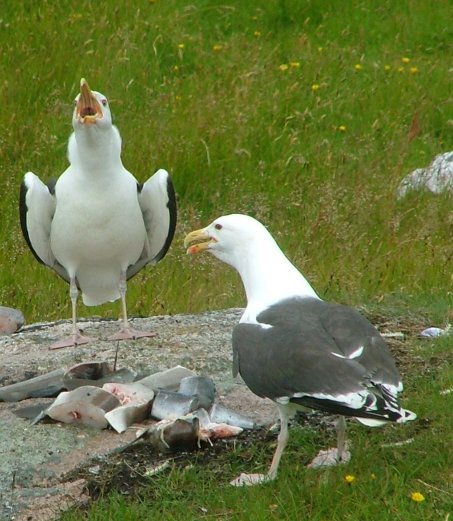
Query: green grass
{"points": [[384, 477], [198, 88], [238, 134]]}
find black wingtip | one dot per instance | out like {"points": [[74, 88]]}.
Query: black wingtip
{"points": [[172, 210], [23, 218]]}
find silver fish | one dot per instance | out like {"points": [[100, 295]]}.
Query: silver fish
{"points": [[49, 384], [135, 399], [200, 386], [168, 379], [86, 405], [171, 405], [124, 416], [179, 433], [133, 393], [210, 430], [97, 374], [221, 414]]}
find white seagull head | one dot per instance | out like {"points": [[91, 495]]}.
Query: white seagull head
{"points": [[246, 245], [91, 109], [230, 238]]}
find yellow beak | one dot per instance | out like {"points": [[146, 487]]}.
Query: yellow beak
{"points": [[202, 240], [88, 107]]}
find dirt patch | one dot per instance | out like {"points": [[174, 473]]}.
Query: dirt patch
{"points": [[49, 466]]}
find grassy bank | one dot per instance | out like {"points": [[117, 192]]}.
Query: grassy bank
{"points": [[303, 114]]}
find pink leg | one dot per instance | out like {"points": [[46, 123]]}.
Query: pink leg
{"points": [[126, 332], [76, 338], [257, 479]]}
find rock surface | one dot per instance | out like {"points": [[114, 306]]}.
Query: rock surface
{"points": [[36, 459]]}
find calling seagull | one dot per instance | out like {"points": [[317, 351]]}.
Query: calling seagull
{"points": [[97, 226]]}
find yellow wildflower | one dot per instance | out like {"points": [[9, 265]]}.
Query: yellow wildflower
{"points": [[320, 49], [180, 46], [257, 34], [418, 497], [217, 47], [387, 67], [400, 69], [413, 70], [315, 87], [358, 67], [342, 128], [283, 67], [294, 65], [373, 475], [175, 68], [349, 478], [405, 59]]}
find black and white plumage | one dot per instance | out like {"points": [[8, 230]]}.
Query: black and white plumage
{"points": [[294, 348], [97, 226]]}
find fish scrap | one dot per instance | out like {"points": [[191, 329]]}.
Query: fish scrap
{"points": [[182, 402]]}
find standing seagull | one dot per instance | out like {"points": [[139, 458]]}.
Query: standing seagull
{"points": [[294, 348], [97, 226]]}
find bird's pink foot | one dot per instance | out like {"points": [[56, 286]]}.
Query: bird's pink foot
{"points": [[72, 341], [250, 480], [128, 333], [329, 458]]}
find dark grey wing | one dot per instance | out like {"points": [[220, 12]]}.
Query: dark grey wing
{"points": [[157, 201], [36, 208], [356, 337], [277, 361], [291, 354]]}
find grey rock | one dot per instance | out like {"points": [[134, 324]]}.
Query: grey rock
{"points": [[436, 178], [11, 320]]}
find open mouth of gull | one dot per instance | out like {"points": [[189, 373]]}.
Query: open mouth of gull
{"points": [[198, 241], [88, 107]]}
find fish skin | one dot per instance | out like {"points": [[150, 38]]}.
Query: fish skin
{"points": [[123, 376], [172, 405], [169, 379], [45, 385], [124, 416], [174, 434], [221, 414], [85, 405], [30, 412], [97, 374], [202, 387], [132, 393], [210, 430]]}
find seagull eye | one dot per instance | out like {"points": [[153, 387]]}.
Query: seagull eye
{"points": [[104, 102], [218, 226]]}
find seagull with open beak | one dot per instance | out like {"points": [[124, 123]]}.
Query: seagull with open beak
{"points": [[97, 226]]}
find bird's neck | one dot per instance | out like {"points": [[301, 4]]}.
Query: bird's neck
{"points": [[268, 276], [94, 150]]}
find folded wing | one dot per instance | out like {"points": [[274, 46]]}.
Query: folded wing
{"points": [[157, 201], [37, 207]]}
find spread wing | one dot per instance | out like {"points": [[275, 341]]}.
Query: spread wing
{"points": [[37, 207], [157, 201]]}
